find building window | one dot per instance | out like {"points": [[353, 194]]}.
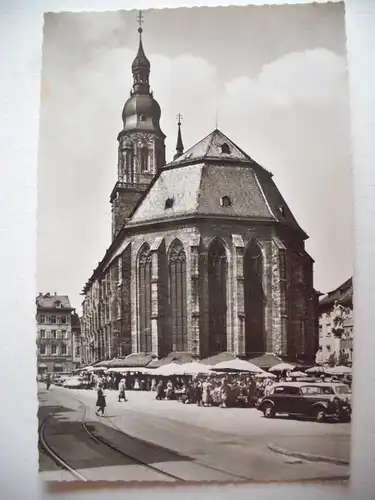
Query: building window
{"points": [[177, 295], [64, 334], [78, 350], [282, 211], [225, 149], [63, 349], [53, 349], [63, 319], [144, 299], [42, 319], [254, 298], [53, 334], [42, 334], [217, 297], [169, 203], [144, 159], [42, 349], [143, 118], [226, 201], [53, 320]]}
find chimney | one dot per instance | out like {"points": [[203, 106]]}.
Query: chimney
{"points": [[55, 294], [40, 294]]}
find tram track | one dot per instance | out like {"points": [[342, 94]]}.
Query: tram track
{"points": [[93, 435], [152, 446], [55, 457]]}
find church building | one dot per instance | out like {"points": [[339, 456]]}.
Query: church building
{"points": [[206, 256]]}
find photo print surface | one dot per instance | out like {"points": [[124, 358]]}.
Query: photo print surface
{"points": [[194, 320]]}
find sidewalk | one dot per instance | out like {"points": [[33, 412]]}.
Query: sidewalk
{"points": [[332, 449]]}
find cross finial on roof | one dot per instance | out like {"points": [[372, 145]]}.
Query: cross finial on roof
{"points": [[180, 145], [140, 21]]}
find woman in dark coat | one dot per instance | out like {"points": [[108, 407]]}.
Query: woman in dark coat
{"points": [[160, 394], [100, 402]]}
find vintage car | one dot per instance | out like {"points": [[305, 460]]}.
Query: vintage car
{"points": [[75, 382], [319, 400]]}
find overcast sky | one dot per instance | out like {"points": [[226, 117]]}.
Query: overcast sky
{"points": [[277, 76]]}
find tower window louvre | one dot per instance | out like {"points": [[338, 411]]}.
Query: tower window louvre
{"points": [[226, 201], [144, 159], [225, 149], [143, 118], [169, 203]]}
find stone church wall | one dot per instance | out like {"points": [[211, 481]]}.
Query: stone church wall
{"points": [[288, 312]]}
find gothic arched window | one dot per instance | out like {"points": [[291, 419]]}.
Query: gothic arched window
{"points": [[177, 295], [144, 159], [144, 299], [254, 299], [217, 297]]}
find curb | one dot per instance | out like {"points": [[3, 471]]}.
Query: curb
{"points": [[307, 456]]}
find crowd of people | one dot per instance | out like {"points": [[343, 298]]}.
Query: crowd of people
{"points": [[221, 390], [243, 390]]}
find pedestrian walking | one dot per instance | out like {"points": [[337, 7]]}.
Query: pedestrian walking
{"points": [[48, 382], [100, 401], [121, 390]]}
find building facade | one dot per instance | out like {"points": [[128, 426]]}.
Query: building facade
{"points": [[54, 333], [206, 256], [336, 306], [76, 340]]}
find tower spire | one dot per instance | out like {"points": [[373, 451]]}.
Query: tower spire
{"points": [[180, 144], [141, 65]]}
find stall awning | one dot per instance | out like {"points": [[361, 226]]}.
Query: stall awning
{"points": [[58, 365], [42, 365]]}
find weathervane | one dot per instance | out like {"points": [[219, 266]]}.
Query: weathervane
{"points": [[179, 118]]}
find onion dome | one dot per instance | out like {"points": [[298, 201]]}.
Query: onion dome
{"points": [[141, 111]]}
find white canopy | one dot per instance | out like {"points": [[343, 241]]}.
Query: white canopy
{"points": [[194, 368], [297, 374], [237, 365], [316, 369], [339, 370], [169, 369], [282, 367], [127, 369], [94, 369], [265, 375]]}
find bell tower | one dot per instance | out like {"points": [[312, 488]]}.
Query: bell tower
{"points": [[141, 142]]}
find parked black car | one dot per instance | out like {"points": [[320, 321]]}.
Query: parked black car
{"points": [[321, 401]]}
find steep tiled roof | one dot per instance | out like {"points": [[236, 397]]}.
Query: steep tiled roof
{"points": [[196, 183], [49, 301], [343, 294], [210, 147]]}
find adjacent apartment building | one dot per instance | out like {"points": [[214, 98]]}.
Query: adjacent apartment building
{"points": [[328, 342], [56, 320]]}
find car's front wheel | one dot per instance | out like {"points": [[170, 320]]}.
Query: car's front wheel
{"points": [[268, 410], [319, 414]]}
